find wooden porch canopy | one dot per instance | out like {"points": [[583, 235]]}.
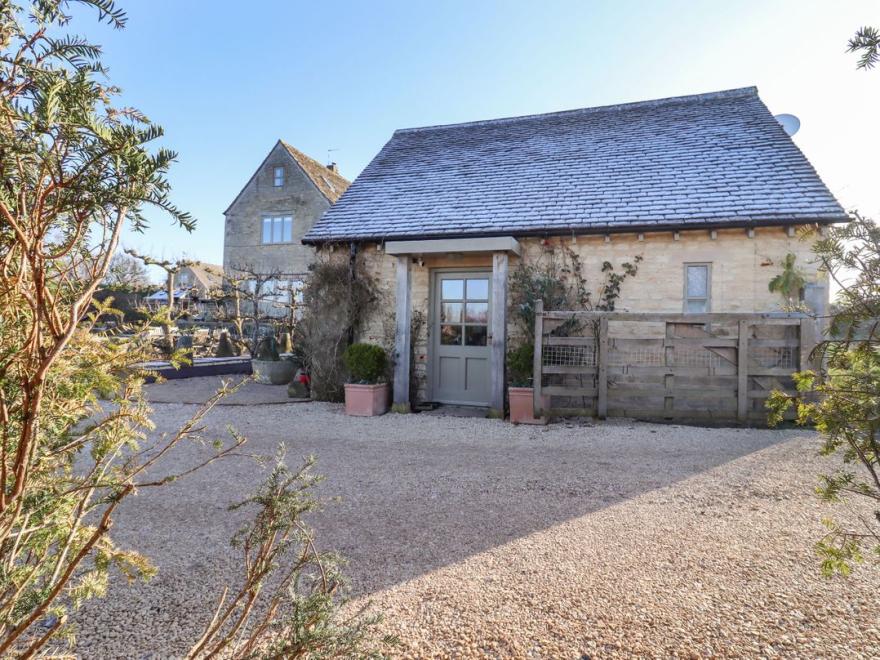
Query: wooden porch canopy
{"points": [[499, 247]]}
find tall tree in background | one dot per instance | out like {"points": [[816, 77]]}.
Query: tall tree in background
{"points": [[126, 273]]}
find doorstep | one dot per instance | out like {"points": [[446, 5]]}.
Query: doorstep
{"points": [[448, 410]]}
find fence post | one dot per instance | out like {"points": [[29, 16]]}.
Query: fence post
{"points": [[538, 362], [807, 340], [602, 404], [742, 372]]}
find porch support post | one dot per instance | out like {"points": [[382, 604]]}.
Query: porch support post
{"points": [[402, 336], [498, 332]]}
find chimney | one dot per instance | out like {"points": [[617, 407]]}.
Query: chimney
{"points": [[333, 168]]}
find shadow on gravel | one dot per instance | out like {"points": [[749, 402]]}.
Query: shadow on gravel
{"points": [[421, 492], [409, 510]]}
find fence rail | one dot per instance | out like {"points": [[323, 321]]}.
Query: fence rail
{"points": [[666, 366]]}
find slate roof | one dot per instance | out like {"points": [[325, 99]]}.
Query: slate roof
{"points": [[708, 160], [210, 276], [330, 183]]}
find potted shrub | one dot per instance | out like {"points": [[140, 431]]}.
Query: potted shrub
{"points": [[268, 367], [365, 395], [520, 393]]}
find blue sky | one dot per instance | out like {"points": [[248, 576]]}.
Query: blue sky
{"points": [[227, 79]]}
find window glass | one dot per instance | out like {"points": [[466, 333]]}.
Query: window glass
{"points": [[475, 335], [279, 177], [276, 230], [452, 289], [450, 335], [477, 312], [697, 281], [450, 312], [697, 306], [267, 230], [478, 289], [287, 234]]}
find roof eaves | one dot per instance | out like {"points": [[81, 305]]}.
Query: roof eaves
{"points": [[582, 230]]}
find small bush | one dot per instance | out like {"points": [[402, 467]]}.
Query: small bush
{"points": [[520, 364], [365, 362]]}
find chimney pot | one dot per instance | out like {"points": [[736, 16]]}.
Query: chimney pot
{"points": [[333, 167]]}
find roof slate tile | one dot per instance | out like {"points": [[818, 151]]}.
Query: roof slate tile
{"points": [[710, 159]]}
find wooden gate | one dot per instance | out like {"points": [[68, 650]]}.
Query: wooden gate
{"points": [[667, 366]]}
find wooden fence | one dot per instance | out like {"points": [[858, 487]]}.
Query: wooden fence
{"points": [[696, 367]]}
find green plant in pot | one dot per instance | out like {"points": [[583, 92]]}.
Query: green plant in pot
{"points": [[268, 367], [520, 393], [367, 392]]}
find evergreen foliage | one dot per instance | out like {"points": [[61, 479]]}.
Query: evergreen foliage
{"points": [[365, 362], [843, 400]]}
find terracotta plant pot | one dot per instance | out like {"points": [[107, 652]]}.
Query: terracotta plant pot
{"points": [[273, 372], [366, 400], [522, 406]]}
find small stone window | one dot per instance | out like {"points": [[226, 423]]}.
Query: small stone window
{"points": [[278, 177], [277, 229], [697, 288]]}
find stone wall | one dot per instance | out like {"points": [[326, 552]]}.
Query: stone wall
{"points": [[298, 197], [741, 268]]}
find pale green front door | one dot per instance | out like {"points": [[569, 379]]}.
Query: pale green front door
{"points": [[461, 305]]}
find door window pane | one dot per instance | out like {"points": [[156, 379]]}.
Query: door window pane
{"points": [[478, 289], [450, 335], [697, 281], [475, 335], [267, 230], [288, 229], [452, 289], [450, 312], [477, 312]]}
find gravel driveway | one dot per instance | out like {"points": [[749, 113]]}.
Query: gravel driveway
{"points": [[478, 538]]}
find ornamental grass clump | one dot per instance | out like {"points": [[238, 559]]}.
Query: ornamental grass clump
{"points": [[366, 363]]}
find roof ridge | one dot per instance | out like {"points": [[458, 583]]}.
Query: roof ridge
{"points": [[670, 100]]}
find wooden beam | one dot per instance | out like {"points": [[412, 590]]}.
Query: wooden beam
{"points": [[402, 336], [498, 334], [808, 343], [742, 372], [602, 399], [463, 245], [537, 364]]}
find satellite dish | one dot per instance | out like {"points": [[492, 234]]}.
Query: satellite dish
{"points": [[790, 124]]}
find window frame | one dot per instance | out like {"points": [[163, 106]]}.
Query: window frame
{"points": [[276, 223], [688, 298], [275, 171]]}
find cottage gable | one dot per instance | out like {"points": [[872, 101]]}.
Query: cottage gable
{"points": [[278, 205]]}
